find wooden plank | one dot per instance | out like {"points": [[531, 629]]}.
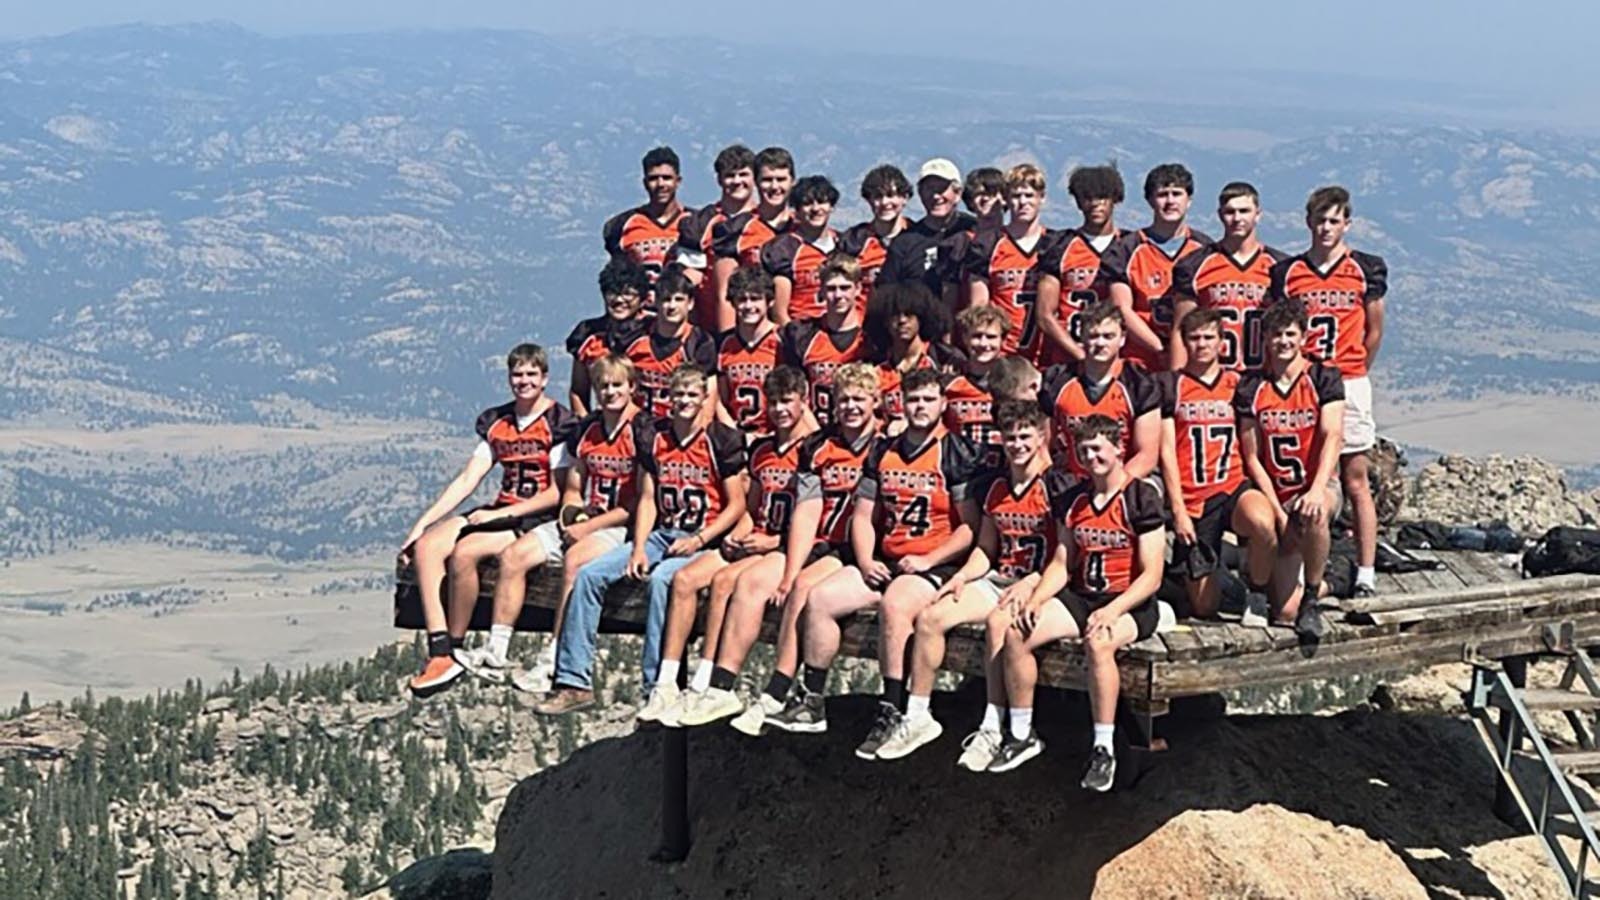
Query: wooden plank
{"points": [[1387, 586], [1488, 569], [1150, 649], [1450, 612], [1482, 591], [1213, 639], [1440, 579], [1412, 583], [1181, 642], [1555, 608], [1253, 639]]}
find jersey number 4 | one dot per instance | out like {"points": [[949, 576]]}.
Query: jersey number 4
{"points": [[914, 517]]}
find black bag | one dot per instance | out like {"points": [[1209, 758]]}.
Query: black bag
{"points": [[1564, 549]]}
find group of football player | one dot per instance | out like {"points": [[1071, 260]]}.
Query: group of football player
{"points": [[967, 419]]}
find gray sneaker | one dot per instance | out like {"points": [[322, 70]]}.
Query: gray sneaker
{"points": [[756, 715], [883, 727], [1101, 773], [1014, 752], [912, 732], [804, 713]]}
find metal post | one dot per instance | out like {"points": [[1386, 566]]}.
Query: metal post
{"points": [[1505, 805]]}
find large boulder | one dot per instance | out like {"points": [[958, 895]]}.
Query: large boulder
{"points": [[1525, 492]]}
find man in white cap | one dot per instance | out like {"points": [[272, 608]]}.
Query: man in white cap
{"points": [[930, 250]]}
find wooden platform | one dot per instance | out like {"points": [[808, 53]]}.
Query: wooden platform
{"points": [[1471, 607]]}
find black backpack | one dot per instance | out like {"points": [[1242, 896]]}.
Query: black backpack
{"points": [[1564, 549]]}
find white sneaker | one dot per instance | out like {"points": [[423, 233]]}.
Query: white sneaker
{"points": [[538, 678], [664, 701], [754, 717], [709, 706], [978, 749], [911, 733], [481, 662]]}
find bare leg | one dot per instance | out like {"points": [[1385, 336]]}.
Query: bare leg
{"points": [[430, 552], [511, 587], [1105, 679], [1257, 528], [836, 597], [905, 597], [742, 625], [1353, 470], [685, 602], [787, 657], [463, 567], [717, 607], [971, 606]]}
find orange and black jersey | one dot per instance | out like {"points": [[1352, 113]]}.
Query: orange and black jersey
{"points": [[1287, 419], [1236, 288], [928, 254], [655, 358], [830, 467], [774, 483], [523, 453], [608, 461], [593, 338], [1012, 276], [892, 404], [1336, 302], [743, 236], [916, 490], [819, 353], [694, 251], [689, 473], [871, 253], [1206, 434], [792, 257], [1025, 517], [634, 234], [1072, 260], [1103, 546], [1070, 398], [741, 370], [1145, 266], [969, 411]]}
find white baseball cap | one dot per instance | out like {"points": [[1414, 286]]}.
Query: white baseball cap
{"points": [[939, 167]]}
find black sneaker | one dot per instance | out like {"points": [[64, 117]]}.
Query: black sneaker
{"points": [[803, 713], [1014, 752], [1365, 590], [1308, 621], [882, 727], [1101, 773]]}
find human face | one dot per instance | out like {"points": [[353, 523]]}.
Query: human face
{"points": [[939, 197], [623, 306], [988, 206], [615, 392], [672, 309], [1097, 212], [1104, 341], [526, 381], [887, 207], [738, 185], [983, 343], [1328, 228], [784, 411], [1284, 346], [904, 327], [687, 398], [1021, 444], [1239, 217], [852, 407], [751, 308], [661, 184], [815, 213], [1203, 345], [924, 406], [1098, 455], [774, 185], [1170, 204], [1025, 203], [840, 294]]}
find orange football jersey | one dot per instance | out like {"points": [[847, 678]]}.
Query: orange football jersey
{"points": [[1206, 434], [742, 236], [1236, 288], [996, 258], [608, 461], [1103, 541], [634, 234], [792, 257], [916, 490], [741, 369], [694, 251], [870, 251], [1145, 266], [819, 353], [892, 404], [1288, 418], [1024, 517], [1076, 264], [774, 484], [523, 453], [830, 468], [655, 358], [688, 473], [1069, 398], [593, 338], [969, 412], [1336, 303]]}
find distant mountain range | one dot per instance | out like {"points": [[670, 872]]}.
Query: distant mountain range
{"points": [[200, 217]]}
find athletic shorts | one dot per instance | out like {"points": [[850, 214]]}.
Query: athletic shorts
{"points": [[1204, 556], [822, 550], [935, 576], [990, 587], [1146, 616], [517, 525], [548, 534], [1360, 428]]}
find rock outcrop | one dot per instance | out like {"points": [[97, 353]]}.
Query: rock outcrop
{"points": [[1525, 492]]}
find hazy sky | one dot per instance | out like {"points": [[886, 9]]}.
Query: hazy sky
{"points": [[1544, 47]]}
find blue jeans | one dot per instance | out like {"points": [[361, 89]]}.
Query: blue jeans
{"points": [[575, 651]]}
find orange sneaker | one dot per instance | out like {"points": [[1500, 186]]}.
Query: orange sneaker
{"points": [[438, 674]]}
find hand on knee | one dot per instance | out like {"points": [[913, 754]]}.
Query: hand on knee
{"points": [[1101, 645]]}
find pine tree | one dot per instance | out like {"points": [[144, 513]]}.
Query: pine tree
{"points": [[27, 704]]}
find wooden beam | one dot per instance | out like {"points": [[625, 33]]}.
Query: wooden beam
{"points": [[1479, 591]]}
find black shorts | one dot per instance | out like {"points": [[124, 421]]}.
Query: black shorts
{"points": [[1204, 556], [822, 550], [1146, 616], [936, 576]]}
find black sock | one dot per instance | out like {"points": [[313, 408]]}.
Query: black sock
{"points": [[438, 643], [456, 643], [778, 686], [722, 679], [816, 680], [1312, 592], [894, 692]]}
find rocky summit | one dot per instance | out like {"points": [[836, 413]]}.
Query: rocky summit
{"points": [[1525, 492]]}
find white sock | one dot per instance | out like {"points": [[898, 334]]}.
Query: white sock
{"points": [[991, 718], [500, 640], [1366, 575], [917, 706], [1103, 735], [668, 673], [702, 676], [1021, 722]]}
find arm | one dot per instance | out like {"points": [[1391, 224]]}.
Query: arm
{"points": [[1047, 301], [712, 405], [1374, 335], [1182, 525], [721, 270], [459, 489], [644, 522], [1138, 331], [1152, 563], [782, 287], [578, 396], [1330, 430], [1051, 581], [732, 488], [977, 291], [864, 541], [545, 499], [1146, 444], [803, 524], [724, 404], [577, 531], [978, 561], [1250, 454], [1182, 305]]}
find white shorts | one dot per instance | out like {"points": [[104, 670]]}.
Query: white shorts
{"points": [[549, 537], [990, 587], [1360, 429]]}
